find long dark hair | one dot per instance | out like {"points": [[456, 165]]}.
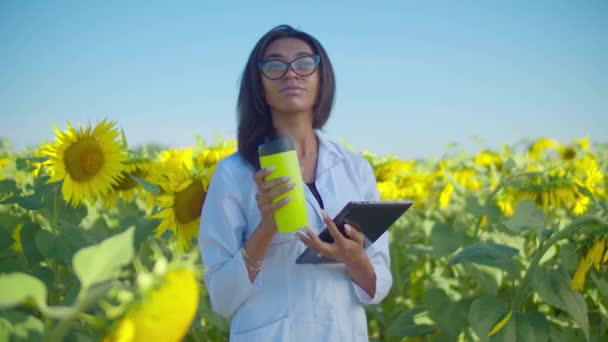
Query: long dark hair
{"points": [[255, 120]]}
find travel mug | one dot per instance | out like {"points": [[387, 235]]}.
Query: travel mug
{"points": [[281, 154]]}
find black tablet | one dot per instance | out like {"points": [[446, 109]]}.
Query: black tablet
{"points": [[372, 218]]}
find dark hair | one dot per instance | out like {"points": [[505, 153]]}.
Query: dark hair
{"points": [[255, 120]]}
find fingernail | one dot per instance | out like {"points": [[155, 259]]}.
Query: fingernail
{"points": [[285, 179], [270, 168], [347, 227], [291, 186], [324, 214]]}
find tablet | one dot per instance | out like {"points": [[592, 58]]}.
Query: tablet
{"points": [[372, 218]]}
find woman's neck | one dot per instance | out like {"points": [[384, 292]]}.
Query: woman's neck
{"points": [[299, 127]]}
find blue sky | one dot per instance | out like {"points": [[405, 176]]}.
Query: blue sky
{"points": [[411, 76]]}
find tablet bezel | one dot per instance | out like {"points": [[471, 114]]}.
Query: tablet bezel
{"points": [[309, 256]]}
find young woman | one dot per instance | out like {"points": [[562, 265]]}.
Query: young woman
{"points": [[287, 89]]}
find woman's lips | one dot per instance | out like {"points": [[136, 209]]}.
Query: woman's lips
{"points": [[292, 90]]}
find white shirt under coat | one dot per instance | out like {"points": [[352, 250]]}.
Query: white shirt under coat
{"points": [[288, 301]]}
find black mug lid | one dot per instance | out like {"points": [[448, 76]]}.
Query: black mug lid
{"points": [[276, 146]]}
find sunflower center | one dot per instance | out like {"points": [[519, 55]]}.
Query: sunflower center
{"points": [[188, 203], [84, 159]]}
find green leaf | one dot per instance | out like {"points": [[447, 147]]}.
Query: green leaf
{"points": [[8, 186], [45, 275], [100, 262], [527, 215], [18, 288], [29, 202], [53, 246], [123, 138], [56, 207], [6, 240], [585, 191], [554, 288], [28, 241], [449, 315], [148, 186], [404, 325], [524, 327], [473, 206], [489, 278], [10, 263], [18, 326], [602, 285], [445, 240], [568, 256], [484, 313], [487, 253]]}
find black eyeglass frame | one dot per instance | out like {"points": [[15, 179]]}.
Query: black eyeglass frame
{"points": [[316, 59]]}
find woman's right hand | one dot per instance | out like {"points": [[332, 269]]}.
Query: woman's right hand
{"points": [[268, 190]]}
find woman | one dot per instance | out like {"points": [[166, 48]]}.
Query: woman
{"points": [[287, 89]]}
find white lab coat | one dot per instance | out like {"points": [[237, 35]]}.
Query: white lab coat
{"points": [[288, 301]]}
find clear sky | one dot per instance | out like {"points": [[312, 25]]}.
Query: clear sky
{"points": [[411, 76]]}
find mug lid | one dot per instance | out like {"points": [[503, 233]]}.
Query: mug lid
{"points": [[276, 146]]}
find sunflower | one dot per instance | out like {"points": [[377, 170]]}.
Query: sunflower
{"points": [[181, 204], [176, 159], [589, 175], [445, 195], [594, 256], [127, 187], [3, 162], [164, 312], [487, 159], [583, 143], [211, 155], [89, 162], [538, 148], [416, 186], [393, 168], [466, 177], [553, 191], [388, 190], [16, 235]]}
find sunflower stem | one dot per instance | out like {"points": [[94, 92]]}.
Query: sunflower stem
{"points": [[522, 292], [86, 298], [55, 210]]}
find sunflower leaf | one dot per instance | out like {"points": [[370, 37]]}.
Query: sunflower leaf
{"points": [[484, 312], [527, 215], [148, 186], [553, 287], [18, 288], [100, 262], [524, 327], [489, 254], [123, 138], [8, 186]]}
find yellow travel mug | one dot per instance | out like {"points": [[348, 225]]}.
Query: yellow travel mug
{"points": [[281, 154]]}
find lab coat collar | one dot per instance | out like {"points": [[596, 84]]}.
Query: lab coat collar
{"points": [[328, 155]]}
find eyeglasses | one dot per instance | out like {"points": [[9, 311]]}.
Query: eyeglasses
{"points": [[302, 66]]}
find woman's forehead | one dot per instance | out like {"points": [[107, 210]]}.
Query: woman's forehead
{"points": [[287, 48]]}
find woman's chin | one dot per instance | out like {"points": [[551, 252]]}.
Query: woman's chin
{"points": [[294, 108]]}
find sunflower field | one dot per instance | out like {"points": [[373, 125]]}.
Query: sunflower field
{"points": [[98, 242]]}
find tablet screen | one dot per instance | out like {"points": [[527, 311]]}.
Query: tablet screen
{"points": [[372, 218]]}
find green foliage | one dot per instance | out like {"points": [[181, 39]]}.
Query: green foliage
{"points": [[100, 262], [506, 240]]}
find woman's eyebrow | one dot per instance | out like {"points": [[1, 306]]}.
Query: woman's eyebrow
{"points": [[279, 55]]}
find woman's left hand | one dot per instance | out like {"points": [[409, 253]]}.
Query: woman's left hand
{"points": [[349, 250]]}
